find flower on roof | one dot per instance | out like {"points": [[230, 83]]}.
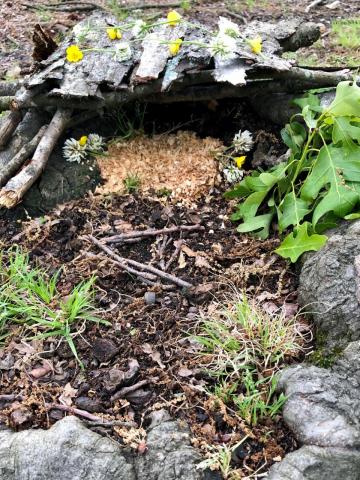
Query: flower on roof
{"points": [[114, 33], [173, 18], [223, 46], [139, 28], [256, 45], [74, 54], [174, 46], [226, 27], [122, 51]]}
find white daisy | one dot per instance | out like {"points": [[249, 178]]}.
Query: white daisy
{"points": [[243, 141]]}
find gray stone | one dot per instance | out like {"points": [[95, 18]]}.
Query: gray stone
{"points": [[330, 288], [323, 411], [70, 451], [318, 463]]}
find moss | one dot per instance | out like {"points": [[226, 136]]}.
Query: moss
{"points": [[323, 356]]}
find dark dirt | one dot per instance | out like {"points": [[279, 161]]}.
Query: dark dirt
{"points": [[147, 342]]}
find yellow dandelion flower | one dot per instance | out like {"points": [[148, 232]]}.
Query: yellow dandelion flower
{"points": [[174, 46], [173, 18], [256, 45], [113, 33], [74, 54], [83, 140], [240, 161]]}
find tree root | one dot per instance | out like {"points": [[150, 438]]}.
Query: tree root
{"points": [[15, 189]]}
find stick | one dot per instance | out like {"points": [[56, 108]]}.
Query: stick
{"points": [[85, 414], [150, 232], [179, 244], [126, 390], [10, 88], [313, 4], [23, 154], [16, 188], [5, 103], [8, 127], [140, 266]]}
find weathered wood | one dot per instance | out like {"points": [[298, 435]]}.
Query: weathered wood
{"points": [[15, 189], [8, 126], [23, 154]]}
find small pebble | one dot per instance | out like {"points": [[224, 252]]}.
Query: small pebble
{"points": [[150, 298]]}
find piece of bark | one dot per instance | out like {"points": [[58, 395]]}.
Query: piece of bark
{"points": [[15, 189]]}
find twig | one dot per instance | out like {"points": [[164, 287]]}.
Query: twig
{"points": [[85, 414], [236, 15], [150, 232], [140, 266], [148, 6], [313, 4], [10, 397], [179, 244], [126, 390]]}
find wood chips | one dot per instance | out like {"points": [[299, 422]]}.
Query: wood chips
{"points": [[182, 163]]}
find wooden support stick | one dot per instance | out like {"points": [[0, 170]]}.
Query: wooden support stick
{"points": [[149, 233], [140, 266], [23, 154], [8, 127], [16, 188]]}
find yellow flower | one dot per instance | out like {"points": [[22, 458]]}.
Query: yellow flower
{"points": [[74, 54], [256, 45], [83, 140], [114, 33], [173, 18], [240, 161], [174, 46]]}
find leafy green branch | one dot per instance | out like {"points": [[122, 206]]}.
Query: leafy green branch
{"points": [[319, 184]]}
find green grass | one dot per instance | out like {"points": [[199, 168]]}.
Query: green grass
{"points": [[29, 298], [243, 348], [132, 183], [346, 33]]}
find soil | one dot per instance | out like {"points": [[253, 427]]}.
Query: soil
{"points": [[152, 333], [149, 340]]}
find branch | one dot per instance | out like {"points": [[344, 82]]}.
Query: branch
{"points": [[23, 154], [15, 189], [8, 127], [151, 232], [87, 415], [140, 266]]}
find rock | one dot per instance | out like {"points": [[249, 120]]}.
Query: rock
{"points": [[318, 463], [68, 450], [78, 453], [89, 404], [323, 411], [104, 349], [169, 455], [330, 287]]}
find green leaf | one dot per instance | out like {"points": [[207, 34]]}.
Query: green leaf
{"points": [[299, 242], [352, 216], [340, 199], [331, 165], [292, 210], [309, 117], [258, 225], [294, 135], [345, 130], [347, 100]]}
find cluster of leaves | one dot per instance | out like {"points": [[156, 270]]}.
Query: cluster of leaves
{"points": [[243, 347], [319, 184], [30, 299]]}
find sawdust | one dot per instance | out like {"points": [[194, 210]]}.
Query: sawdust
{"points": [[181, 163]]}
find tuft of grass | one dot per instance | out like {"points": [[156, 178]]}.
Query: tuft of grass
{"points": [[132, 183], [29, 298], [243, 348]]}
